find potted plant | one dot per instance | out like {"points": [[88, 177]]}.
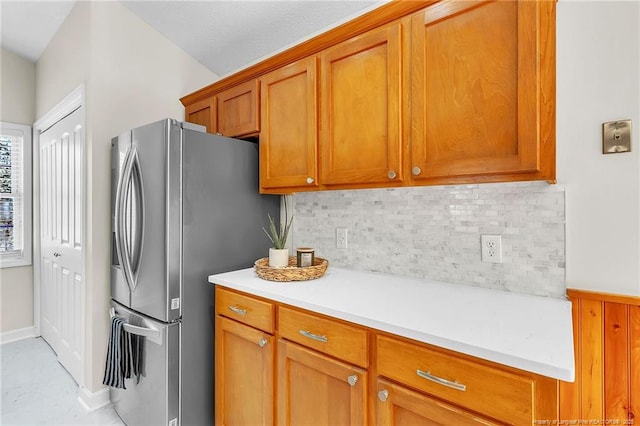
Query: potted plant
{"points": [[279, 253]]}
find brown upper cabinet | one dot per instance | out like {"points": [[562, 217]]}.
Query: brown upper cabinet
{"points": [[203, 112], [288, 139], [481, 94], [233, 112], [238, 110], [411, 93], [361, 114]]}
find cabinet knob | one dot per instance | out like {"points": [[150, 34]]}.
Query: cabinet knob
{"points": [[352, 380], [310, 180], [56, 254], [392, 174], [416, 170], [383, 395], [262, 342]]}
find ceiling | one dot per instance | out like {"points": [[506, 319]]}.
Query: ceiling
{"points": [[223, 35]]}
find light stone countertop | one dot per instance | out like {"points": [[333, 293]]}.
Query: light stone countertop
{"points": [[526, 332]]}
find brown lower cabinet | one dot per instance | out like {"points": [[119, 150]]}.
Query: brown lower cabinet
{"points": [[325, 371], [399, 405], [243, 374], [316, 389]]}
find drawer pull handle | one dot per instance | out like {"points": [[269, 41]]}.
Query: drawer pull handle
{"points": [[312, 336], [238, 310], [383, 395], [262, 342], [352, 380], [448, 383]]}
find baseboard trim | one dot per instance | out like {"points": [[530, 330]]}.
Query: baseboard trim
{"points": [[91, 401], [19, 334]]}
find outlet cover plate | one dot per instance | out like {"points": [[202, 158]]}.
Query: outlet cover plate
{"points": [[491, 248], [341, 238]]}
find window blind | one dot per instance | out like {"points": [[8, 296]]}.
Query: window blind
{"points": [[11, 191]]}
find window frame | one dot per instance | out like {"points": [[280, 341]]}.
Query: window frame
{"points": [[22, 257]]}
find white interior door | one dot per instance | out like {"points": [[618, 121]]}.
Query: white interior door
{"points": [[61, 249]]}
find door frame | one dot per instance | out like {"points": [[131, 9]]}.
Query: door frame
{"points": [[69, 104]]}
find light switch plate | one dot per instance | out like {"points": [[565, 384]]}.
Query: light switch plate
{"points": [[616, 137]]}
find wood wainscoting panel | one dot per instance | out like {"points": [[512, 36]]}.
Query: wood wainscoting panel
{"points": [[607, 350], [569, 393], [591, 342], [616, 362]]}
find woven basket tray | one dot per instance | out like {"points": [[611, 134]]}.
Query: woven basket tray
{"points": [[291, 272]]}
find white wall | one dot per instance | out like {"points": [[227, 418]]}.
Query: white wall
{"points": [[133, 76], [18, 85], [598, 80], [17, 105], [64, 64]]}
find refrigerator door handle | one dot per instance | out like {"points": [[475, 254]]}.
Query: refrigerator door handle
{"points": [[130, 218], [119, 217], [135, 212], [153, 334]]}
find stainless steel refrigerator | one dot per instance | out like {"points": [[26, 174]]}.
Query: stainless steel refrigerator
{"points": [[185, 204]]}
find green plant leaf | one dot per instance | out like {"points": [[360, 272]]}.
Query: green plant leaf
{"points": [[279, 236]]}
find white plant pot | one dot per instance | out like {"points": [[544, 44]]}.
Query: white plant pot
{"points": [[278, 258]]}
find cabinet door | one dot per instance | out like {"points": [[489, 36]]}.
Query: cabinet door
{"points": [[482, 93], [203, 112], [244, 375], [361, 114], [238, 109], [288, 136], [397, 405], [315, 389]]}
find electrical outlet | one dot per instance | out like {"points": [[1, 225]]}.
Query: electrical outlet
{"points": [[341, 238], [491, 248]]}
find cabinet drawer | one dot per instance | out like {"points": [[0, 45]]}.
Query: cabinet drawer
{"points": [[245, 309], [502, 395], [334, 338]]}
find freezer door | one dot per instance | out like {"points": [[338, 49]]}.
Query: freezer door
{"points": [[155, 399]]}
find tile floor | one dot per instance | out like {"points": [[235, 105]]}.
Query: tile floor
{"points": [[37, 390]]}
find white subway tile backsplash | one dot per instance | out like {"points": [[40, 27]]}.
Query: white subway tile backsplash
{"points": [[434, 232]]}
